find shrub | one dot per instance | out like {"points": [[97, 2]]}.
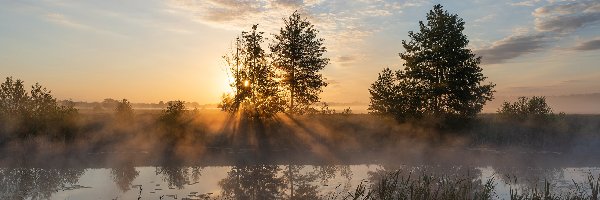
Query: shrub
{"points": [[36, 113], [124, 111], [526, 109]]}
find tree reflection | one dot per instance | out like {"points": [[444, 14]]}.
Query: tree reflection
{"points": [[328, 172], [178, 176], [278, 182], [253, 182], [300, 185], [123, 175], [36, 183]]}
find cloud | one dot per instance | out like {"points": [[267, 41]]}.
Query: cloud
{"points": [[345, 59], [348, 59], [60, 19], [63, 20], [512, 47], [524, 3], [567, 17], [340, 22], [566, 23], [484, 18], [220, 10], [553, 20], [588, 45], [332, 82], [295, 3]]}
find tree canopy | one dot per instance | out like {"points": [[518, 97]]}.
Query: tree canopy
{"points": [[441, 76], [34, 113], [124, 111], [256, 93], [525, 108], [298, 53]]}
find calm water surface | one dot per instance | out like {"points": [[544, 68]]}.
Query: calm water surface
{"points": [[251, 181]]}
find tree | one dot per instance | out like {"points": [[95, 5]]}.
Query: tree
{"points": [[534, 108], [124, 111], [298, 53], [13, 98], [253, 182], [109, 104], [256, 92], [173, 114], [386, 95], [36, 112], [441, 78]]}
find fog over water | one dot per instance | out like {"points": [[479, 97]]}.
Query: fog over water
{"points": [[325, 156]]}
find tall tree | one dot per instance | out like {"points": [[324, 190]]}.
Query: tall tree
{"points": [[256, 91], [298, 53], [442, 77]]}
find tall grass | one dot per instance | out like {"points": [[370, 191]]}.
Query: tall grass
{"points": [[395, 185]]}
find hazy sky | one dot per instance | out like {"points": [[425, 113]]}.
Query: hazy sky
{"points": [[148, 50]]}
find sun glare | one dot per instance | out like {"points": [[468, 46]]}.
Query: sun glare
{"points": [[246, 83]]}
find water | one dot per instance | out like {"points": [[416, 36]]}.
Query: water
{"points": [[253, 181]]}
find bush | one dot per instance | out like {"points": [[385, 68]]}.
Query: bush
{"points": [[527, 109], [174, 112], [36, 113], [124, 112]]}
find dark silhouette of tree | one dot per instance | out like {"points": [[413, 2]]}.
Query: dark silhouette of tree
{"points": [[178, 175], [36, 183], [441, 78], [13, 98], [298, 53], [36, 113], [174, 112], [384, 93], [124, 112], [256, 91], [300, 185], [253, 182], [123, 175], [109, 104], [534, 108]]}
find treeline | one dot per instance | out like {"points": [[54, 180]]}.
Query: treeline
{"points": [[36, 113], [27, 120], [109, 104]]}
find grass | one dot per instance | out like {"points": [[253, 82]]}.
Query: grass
{"points": [[396, 185]]}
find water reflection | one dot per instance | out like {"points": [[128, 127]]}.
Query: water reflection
{"points": [[257, 181], [253, 182], [37, 183], [179, 176], [281, 182], [123, 175]]}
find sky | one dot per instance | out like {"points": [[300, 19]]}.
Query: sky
{"points": [[150, 50]]}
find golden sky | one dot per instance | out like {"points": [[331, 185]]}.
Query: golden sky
{"points": [[148, 51]]}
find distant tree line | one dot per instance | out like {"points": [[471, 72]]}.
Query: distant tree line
{"points": [[109, 104], [27, 115]]}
